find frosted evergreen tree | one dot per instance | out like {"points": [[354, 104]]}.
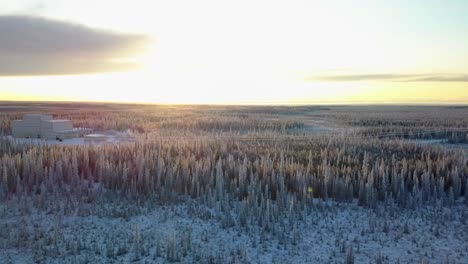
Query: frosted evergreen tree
{"points": [[466, 191], [219, 181]]}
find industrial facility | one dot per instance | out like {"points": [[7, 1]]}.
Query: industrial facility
{"points": [[45, 127]]}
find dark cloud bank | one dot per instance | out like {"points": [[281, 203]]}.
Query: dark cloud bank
{"points": [[39, 46], [433, 77]]}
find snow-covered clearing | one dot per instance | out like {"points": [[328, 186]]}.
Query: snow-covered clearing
{"points": [[113, 137]]}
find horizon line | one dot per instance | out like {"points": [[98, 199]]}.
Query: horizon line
{"points": [[345, 103]]}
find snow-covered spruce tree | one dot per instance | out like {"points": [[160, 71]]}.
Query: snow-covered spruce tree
{"points": [[425, 187], [456, 183], [450, 199], [186, 243], [137, 243], [349, 256], [466, 191], [158, 252], [171, 250], [219, 185]]}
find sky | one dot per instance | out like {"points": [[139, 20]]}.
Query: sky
{"points": [[235, 52]]}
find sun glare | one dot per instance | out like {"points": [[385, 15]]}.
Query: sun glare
{"points": [[250, 52]]}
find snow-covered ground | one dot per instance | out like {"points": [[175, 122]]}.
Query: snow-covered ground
{"points": [[113, 137], [190, 233], [441, 142], [428, 141], [38, 141]]}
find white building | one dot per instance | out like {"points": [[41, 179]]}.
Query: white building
{"points": [[43, 126]]}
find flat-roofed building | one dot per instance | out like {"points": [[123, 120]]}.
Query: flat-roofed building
{"points": [[43, 126]]}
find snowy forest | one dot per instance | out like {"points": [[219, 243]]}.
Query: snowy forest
{"points": [[238, 184]]}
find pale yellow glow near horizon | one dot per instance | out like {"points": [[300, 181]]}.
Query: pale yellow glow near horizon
{"points": [[135, 87], [250, 52]]}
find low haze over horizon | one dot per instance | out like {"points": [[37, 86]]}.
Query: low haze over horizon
{"points": [[235, 52]]}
